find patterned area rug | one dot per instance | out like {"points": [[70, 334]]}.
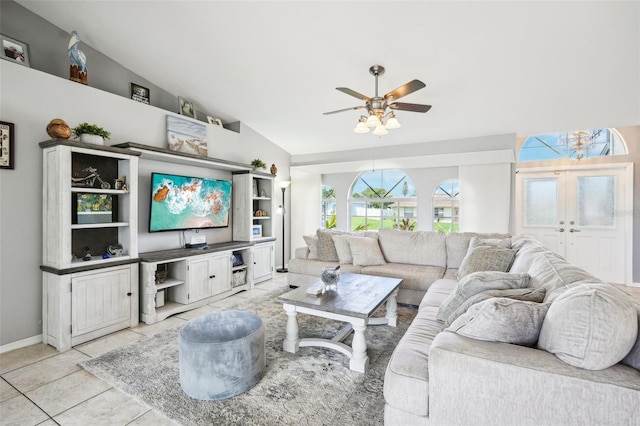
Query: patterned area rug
{"points": [[311, 387]]}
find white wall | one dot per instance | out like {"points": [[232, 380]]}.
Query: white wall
{"points": [[30, 99]]}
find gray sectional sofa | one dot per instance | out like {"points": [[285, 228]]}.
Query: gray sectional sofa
{"points": [[539, 341]]}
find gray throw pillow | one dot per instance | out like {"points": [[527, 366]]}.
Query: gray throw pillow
{"points": [[524, 294], [326, 248], [591, 326], [484, 258], [477, 282], [365, 251], [500, 319], [312, 245]]}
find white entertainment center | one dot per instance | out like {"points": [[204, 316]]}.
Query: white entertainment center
{"points": [[88, 293]]}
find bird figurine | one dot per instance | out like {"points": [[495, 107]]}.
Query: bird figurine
{"points": [[78, 59]]}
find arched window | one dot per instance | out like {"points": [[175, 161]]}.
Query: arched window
{"points": [[328, 214], [575, 145], [446, 206], [383, 199]]}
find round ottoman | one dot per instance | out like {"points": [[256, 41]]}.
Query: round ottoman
{"points": [[221, 354]]}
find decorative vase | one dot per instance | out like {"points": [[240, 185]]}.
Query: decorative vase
{"points": [[92, 139], [330, 278], [58, 129], [274, 169]]}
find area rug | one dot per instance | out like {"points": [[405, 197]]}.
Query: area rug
{"points": [[312, 387]]}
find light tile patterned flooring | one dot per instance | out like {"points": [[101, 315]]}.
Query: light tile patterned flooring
{"points": [[40, 386]]}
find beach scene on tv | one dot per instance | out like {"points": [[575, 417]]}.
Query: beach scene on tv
{"points": [[182, 202]]}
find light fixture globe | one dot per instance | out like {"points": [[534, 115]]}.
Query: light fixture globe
{"points": [[392, 122], [373, 121], [380, 130], [361, 127]]}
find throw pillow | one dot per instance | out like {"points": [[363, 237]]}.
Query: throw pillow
{"points": [[489, 242], [500, 319], [365, 251], [591, 326], [326, 248], [477, 282], [486, 258], [524, 294], [312, 245], [341, 243]]}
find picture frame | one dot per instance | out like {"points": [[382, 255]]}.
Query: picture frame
{"points": [[15, 51], [186, 107], [188, 136], [7, 145], [214, 120], [256, 231], [140, 93]]}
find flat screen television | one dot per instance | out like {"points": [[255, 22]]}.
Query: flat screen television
{"points": [[187, 202]]}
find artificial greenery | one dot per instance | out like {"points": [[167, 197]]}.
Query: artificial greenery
{"points": [[258, 164], [91, 129]]}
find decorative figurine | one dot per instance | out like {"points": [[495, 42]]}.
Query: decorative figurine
{"points": [[274, 170], [58, 129], [78, 70]]}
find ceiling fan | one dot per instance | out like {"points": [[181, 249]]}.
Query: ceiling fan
{"points": [[378, 117]]}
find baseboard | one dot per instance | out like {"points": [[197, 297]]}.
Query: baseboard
{"points": [[21, 343]]}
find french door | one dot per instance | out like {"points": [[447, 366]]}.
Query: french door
{"points": [[581, 213]]}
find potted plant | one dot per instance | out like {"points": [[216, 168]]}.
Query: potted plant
{"points": [[258, 164], [90, 133]]}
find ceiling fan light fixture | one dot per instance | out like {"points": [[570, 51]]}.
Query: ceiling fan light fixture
{"points": [[380, 130], [373, 121], [392, 122], [361, 127]]}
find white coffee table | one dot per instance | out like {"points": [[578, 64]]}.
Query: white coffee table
{"points": [[357, 298]]}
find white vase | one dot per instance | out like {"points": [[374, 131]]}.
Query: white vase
{"points": [[92, 139]]}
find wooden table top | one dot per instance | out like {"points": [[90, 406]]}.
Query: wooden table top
{"points": [[357, 296]]}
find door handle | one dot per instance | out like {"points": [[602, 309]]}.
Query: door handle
{"points": [[212, 276], [561, 230], [574, 230]]}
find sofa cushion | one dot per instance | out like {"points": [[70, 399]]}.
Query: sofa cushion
{"points": [[591, 326], [458, 245], [526, 254], [342, 248], [633, 357], [551, 272], [414, 277], [477, 282], [365, 251], [500, 319], [314, 267], [312, 245], [524, 294], [413, 247], [486, 258]]}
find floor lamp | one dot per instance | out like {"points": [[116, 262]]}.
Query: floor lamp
{"points": [[281, 210]]}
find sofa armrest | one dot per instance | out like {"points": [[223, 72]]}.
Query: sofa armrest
{"points": [[477, 382], [301, 252]]}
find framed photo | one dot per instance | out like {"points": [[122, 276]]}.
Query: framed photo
{"points": [[256, 231], [213, 120], [15, 51], [7, 150], [139, 93], [187, 108]]}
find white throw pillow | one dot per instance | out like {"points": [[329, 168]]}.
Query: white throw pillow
{"points": [[312, 245], [591, 326], [365, 251], [501, 319], [341, 243]]}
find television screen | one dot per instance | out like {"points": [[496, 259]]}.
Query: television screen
{"points": [[183, 202]]}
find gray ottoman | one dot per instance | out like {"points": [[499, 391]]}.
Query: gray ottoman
{"points": [[221, 354]]}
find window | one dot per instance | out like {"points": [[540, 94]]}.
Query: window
{"points": [[574, 145], [383, 199], [328, 213], [446, 206]]}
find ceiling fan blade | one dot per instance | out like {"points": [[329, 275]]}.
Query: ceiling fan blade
{"points": [[342, 110], [410, 107], [353, 93], [401, 91]]}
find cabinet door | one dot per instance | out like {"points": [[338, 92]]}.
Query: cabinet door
{"points": [[199, 280], [262, 262], [220, 269], [100, 300]]}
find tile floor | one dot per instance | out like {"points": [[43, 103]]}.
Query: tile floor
{"points": [[40, 386]]}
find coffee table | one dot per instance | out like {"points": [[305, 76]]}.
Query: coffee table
{"points": [[357, 298]]}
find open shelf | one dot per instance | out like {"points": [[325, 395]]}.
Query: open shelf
{"points": [[169, 282]]}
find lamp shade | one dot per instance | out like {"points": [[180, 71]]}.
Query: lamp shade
{"points": [[373, 121], [283, 183], [380, 130], [361, 127], [392, 123]]}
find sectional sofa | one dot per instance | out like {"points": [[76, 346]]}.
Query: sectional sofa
{"points": [[510, 333]]}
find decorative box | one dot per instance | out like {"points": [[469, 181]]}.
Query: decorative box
{"points": [[239, 278]]}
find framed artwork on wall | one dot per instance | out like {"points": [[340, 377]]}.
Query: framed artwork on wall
{"points": [[7, 149], [256, 231], [184, 135], [15, 51]]}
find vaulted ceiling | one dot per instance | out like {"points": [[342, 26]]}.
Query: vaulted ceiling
{"points": [[489, 67]]}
